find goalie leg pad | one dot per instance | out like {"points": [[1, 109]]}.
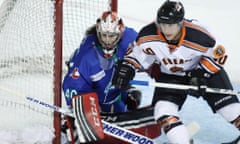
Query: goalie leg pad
{"points": [[87, 117]]}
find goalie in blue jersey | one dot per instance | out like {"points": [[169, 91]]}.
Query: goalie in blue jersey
{"points": [[92, 65]]}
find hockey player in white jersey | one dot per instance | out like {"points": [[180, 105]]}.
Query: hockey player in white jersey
{"points": [[176, 50]]}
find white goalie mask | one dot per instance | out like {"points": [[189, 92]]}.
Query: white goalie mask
{"points": [[109, 31]]}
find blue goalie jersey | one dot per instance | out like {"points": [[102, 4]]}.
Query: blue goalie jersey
{"points": [[90, 71]]}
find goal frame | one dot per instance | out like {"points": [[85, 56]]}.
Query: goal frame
{"points": [[58, 45]]}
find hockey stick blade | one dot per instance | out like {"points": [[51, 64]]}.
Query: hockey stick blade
{"points": [[183, 87], [125, 134]]}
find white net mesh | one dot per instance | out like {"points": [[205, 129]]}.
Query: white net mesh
{"points": [[78, 16], [26, 62], [27, 55]]}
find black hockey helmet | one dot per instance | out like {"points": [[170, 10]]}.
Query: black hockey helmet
{"points": [[170, 12]]}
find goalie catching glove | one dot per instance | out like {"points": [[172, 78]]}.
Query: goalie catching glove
{"points": [[123, 74]]}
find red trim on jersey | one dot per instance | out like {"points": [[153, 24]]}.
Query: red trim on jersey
{"points": [[150, 38]]}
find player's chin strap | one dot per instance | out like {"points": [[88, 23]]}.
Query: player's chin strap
{"points": [[183, 87]]}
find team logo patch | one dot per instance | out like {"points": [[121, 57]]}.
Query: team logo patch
{"points": [[219, 51], [75, 73]]}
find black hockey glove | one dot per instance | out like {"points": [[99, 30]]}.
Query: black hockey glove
{"points": [[133, 99], [198, 77], [124, 72]]}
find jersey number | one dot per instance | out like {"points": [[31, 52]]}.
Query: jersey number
{"points": [[221, 60]]}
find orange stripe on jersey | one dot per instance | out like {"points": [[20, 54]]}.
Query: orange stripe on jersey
{"points": [[129, 50], [194, 46], [150, 38], [207, 64], [133, 62], [161, 35], [189, 24]]}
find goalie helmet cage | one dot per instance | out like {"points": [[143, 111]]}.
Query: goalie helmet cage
{"points": [[36, 38]]}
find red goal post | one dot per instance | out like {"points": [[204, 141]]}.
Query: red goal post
{"points": [[36, 38]]}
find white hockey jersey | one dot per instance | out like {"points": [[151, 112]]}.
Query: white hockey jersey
{"points": [[196, 48]]}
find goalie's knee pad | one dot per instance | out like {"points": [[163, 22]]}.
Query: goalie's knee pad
{"points": [[236, 122], [167, 122]]}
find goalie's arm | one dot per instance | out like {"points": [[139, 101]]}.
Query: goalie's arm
{"points": [[124, 72]]}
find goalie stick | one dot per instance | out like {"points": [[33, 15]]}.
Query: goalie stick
{"points": [[108, 128], [183, 87], [119, 132]]}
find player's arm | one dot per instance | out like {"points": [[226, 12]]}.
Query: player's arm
{"points": [[78, 80], [137, 58], [124, 72], [75, 83], [211, 62]]}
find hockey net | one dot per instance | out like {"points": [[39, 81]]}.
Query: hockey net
{"points": [[28, 37]]}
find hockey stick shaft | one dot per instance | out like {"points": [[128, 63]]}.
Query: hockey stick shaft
{"points": [[116, 131], [183, 87], [110, 129]]}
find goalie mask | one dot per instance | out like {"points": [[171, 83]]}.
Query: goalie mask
{"points": [[109, 31]]}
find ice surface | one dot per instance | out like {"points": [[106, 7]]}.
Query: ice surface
{"points": [[223, 17]]}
